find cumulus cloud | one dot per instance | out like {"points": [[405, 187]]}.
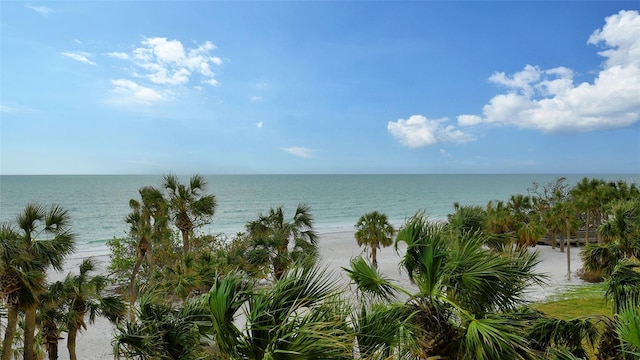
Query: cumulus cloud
{"points": [[42, 10], [80, 56], [298, 151], [259, 125], [169, 62], [129, 92], [550, 101], [159, 65], [418, 131]]}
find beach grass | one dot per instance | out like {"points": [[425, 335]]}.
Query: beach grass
{"points": [[576, 301]]}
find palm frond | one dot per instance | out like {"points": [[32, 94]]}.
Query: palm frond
{"points": [[369, 281], [495, 337]]}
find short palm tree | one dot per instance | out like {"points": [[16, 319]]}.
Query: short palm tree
{"points": [[621, 235], [51, 315], [374, 231], [300, 317], [279, 242], [46, 240], [190, 206], [84, 297], [468, 218], [160, 331], [466, 294]]}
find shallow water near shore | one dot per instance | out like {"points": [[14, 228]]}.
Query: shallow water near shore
{"points": [[98, 204]]}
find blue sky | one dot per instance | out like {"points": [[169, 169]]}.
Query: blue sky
{"points": [[122, 87]]}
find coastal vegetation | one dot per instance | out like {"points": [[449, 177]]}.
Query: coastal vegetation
{"points": [[177, 293]]}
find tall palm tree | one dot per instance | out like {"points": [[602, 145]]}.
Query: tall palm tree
{"points": [[47, 241], [148, 224], [190, 206], [585, 200], [374, 231], [83, 296], [15, 283], [567, 212], [272, 237]]}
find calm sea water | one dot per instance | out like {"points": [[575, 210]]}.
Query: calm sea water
{"points": [[98, 204]]}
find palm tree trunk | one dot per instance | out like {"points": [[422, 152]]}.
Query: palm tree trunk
{"points": [[374, 257], [561, 244], [71, 344], [52, 350], [554, 240], [10, 332], [50, 335], [30, 332], [186, 245], [568, 225], [132, 286]]}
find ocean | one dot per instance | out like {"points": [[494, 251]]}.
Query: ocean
{"points": [[98, 204]]}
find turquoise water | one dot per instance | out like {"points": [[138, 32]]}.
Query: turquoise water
{"points": [[98, 204]]}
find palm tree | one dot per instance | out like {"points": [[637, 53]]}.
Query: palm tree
{"points": [[466, 292], [51, 313], [190, 206], [621, 235], [162, 332], [300, 317], [13, 279], [56, 243], [148, 224], [374, 231], [567, 212], [585, 200], [272, 237], [468, 218], [83, 295]]}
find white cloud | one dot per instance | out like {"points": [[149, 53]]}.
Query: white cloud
{"points": [[445, 154], [8, 109], [299, 151], [42, 10], [129, 92], [550, 101], [119, 55], [80, 56], [168, 62], [418, 131], [468, 120], [160, 64], [259, 124], [255, 98], [212, 82]]}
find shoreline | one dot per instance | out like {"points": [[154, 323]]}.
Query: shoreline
{"points": [[336, 251]]}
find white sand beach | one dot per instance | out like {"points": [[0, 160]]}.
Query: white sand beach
{"points": [[337, 249]]}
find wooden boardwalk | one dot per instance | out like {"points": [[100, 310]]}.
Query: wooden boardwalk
{"points": [[576, 239]]}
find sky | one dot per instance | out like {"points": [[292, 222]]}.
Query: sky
{"points": [[311, 87]]}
